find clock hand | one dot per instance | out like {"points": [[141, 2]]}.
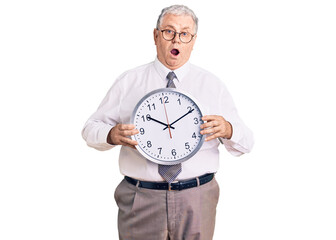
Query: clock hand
{"points": [[167, 120], [190, 111], [155, 120]]}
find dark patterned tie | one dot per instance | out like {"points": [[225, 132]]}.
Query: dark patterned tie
{"points": [[170, 172]]}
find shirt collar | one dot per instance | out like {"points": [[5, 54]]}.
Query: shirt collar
{"points": [[163, 70]]}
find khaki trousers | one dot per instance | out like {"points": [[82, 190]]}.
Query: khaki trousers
{"points": [[146, 214]]}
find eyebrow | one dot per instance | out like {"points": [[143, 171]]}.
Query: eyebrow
{"points": [[175, 28]]}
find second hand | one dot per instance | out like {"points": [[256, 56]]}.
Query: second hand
{"points": [[167, 120]]}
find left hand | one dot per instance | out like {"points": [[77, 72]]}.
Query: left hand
{"points": [[217, 126]]}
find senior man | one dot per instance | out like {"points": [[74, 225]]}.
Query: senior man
{"points": [[147, 210]]}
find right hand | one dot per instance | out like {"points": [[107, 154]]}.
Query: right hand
{"points": [[119, 134]]}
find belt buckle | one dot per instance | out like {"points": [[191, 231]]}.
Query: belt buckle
{"points": [[169, 186]]}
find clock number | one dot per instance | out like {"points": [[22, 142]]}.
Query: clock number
{"points": [[194, 135], [187, 146], [173, 152], [149, 107], [142, 131], [189, 108], [147, 117], [149, 144], [160, 150], [196, 121], [165, 99], [179, 100]]}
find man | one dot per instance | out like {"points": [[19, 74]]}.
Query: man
{"points": [[147, 210]]}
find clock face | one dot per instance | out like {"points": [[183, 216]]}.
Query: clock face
{"points": [[169, 126]]}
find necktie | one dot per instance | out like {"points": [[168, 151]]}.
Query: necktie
{"points": [[170, 77], [170, 172]]}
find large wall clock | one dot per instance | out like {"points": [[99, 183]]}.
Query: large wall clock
{"points": [[169, 126]]}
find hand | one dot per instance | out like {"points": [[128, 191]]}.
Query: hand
{"points": [[150, 118], [118, 135], [190, 111], [217, 126]]}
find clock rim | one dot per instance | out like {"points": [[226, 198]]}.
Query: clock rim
{"points": [[155, 160]]}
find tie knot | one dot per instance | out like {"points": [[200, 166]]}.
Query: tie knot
{"points": [[171, 76]]}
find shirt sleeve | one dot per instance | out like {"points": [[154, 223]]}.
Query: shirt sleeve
{"points": [[242, 139], [98, 126]]}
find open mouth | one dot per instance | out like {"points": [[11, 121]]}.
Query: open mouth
{"points": [[175, 52]]}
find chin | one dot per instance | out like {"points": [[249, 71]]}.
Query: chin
{"points": [[174, 64]]}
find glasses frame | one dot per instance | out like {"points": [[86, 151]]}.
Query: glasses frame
{"points": [[179, 33]]}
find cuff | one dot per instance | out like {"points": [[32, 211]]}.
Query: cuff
{"points": [[102, 138]]}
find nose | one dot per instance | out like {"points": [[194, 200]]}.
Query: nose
{"points": [[176, 39]]}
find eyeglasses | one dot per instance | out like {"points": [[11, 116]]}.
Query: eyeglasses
{"points": [[169, 35]]}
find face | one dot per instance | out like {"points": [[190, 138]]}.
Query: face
{"points": [[174, 53]]}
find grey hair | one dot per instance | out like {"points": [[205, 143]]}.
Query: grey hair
{"points": [[178, 10]]}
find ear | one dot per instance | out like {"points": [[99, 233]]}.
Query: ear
{"points": [[193, 41], [155, 35]]}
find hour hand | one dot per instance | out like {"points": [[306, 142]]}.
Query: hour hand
{"points": [[155, 120]]}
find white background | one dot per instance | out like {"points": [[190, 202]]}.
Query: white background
{"points": [[59, 58]]}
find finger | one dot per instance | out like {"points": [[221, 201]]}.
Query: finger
{"points": [[126, 133], [210, 117], [210, 124], [123, 127], [211, 130], [128, 145], [211, 137], [129, 141]]}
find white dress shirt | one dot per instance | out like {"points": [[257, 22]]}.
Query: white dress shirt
{"points": [[131, 86]]}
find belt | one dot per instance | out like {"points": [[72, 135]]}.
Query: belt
{"points": [[176, 186]]}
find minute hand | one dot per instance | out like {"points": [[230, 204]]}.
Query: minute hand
{"points": [[153, 119], [190, 111]]}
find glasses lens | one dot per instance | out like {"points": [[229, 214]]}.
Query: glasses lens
{"points": [[168, 34], [185, 37]]}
